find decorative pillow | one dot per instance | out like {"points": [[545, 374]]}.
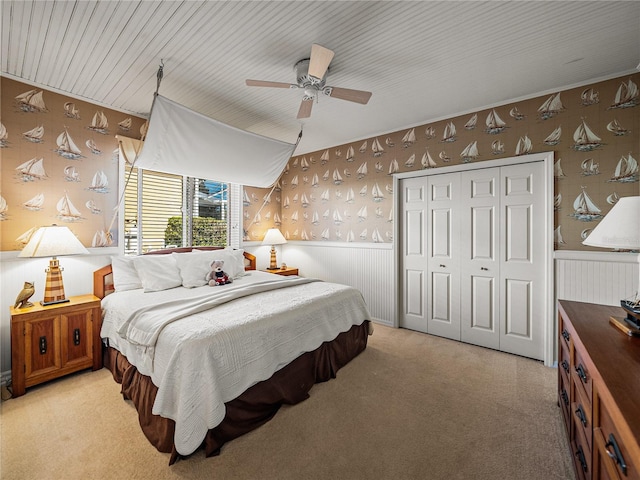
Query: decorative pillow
{"points": [[194, 267], [125, 275], [157, 272]]}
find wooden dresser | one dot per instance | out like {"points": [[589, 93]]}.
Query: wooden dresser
{"points": [[599, 391]]}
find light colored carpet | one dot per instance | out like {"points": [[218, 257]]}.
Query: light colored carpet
{"points": [[411, 406]]}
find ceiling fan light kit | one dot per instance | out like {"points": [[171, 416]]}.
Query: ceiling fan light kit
{"points": [[311, 74]]}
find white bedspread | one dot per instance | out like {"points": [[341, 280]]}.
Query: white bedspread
{"points": [[210, 357]]}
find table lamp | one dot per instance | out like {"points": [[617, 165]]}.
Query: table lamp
{"points": [[53, 241], [620, 229], [273, 237]]}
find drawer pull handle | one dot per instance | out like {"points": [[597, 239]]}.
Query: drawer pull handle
{"points": [[581, 373], [581, 459], [581, 415], [565, 335], [442, 265], [43, 345], [565, 397], [617, 454], [484, 269], [76, 336], [565, 365]]}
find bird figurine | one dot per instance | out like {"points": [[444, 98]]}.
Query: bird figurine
{"points": [[22, 300]]}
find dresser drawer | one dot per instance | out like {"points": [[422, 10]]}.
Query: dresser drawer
{"points": [[581, 455], [615, 451], [564, 362], [564, 400]]}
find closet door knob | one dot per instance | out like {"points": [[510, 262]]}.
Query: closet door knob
{"points": [[484, 268]]}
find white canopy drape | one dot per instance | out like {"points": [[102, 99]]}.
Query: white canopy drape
{"points": [[184, 142]]}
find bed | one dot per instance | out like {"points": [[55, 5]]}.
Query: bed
{"points": [[205, 364]]}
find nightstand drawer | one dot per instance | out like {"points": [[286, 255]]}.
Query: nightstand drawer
{"points": [[284, 271]]}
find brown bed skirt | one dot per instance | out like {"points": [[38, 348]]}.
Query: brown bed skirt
{"points": [[256, 406]]}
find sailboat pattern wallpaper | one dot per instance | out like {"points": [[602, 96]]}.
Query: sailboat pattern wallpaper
{"points": [[59, 165], [345, 193]]}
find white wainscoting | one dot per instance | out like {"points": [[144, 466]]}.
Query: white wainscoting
{"points": [[596, 277], [367, 267]]}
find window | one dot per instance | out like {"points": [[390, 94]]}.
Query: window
{"points": [[163, 210]]}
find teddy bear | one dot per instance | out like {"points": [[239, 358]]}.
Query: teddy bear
{"points": [[217, 276]]}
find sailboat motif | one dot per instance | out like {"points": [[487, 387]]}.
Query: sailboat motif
{"points": [[325, 196], [618, 130], [93, 147], [295, 198], [379, 167], [337, 218], [4, 208], [35, 134], [584, 138], [362, 170], [267, 216], [304, 200], [376, 148], [294, 217], [143, 130], [326, 214], [294, 181], [557, 237], [390, 143], [101, 239], [470, 152], [26, 236], [99, 123], [393, 167], [516, 114], [524, 146], [246, 201], [494, 123], [472, 122], [66, 146], [554, 137], [32, 101], [589, 96], [444, 157], [626, 170], [362, 214], [257, 219], [351, 195], [557, 170], [304, 164], [337, 178], [410, 161], [338, 153], [71, 111], [613, 198], [32, 169], [346, 172], [276, 219], [449, 134], [584, 208], [315, 218], [99, 183], [364, 234], [125, 124], [36, 203], [363, 191], [93, 208], [551, 107], [627, 95], [589, 167], [325, 234], [304, 235], [409, 138], [66, 210], [350, 154], [363, 147], [430, 132], [315, 181], [427, 161], [4, 136], [376, 193], [557, 201], [350, 236], [376, 237], [378, 212], [324, 158], [497, 147]]}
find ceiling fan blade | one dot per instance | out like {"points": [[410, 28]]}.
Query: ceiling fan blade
{"points": [[305, 108], [264, 83], [320, 59], [358, 96]]}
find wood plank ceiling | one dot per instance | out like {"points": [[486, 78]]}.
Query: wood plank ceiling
{"points": [[422, 60]]}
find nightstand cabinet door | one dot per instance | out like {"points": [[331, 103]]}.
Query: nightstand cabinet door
{"points": [[77, 344], [41, 344]]}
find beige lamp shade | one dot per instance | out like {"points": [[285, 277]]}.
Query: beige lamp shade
{"points": [[53, 241], [273, 237], [620, 228]]}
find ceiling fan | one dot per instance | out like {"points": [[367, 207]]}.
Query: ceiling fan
{"points": [[311, 75]]}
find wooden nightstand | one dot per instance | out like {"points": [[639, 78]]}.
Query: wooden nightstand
{"points": [[52, 341], [284, 271]]}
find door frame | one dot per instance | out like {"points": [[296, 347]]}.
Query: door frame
{"points": [[548, 158]]}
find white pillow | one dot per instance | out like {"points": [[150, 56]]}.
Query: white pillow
{"points": [[193, 267], [157, 272], [233, 260], [125, 276]]}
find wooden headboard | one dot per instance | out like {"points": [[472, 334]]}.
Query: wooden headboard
{"points": [[103, 277]]}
